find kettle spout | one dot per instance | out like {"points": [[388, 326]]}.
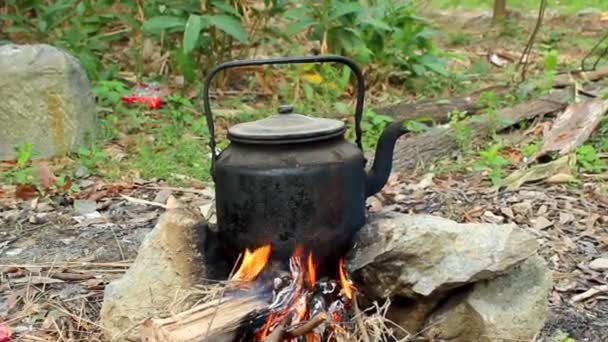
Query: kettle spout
{"points": [[383, 160]]}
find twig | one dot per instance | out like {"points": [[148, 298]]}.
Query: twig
{"points": [[58, 330], [524, 60], [595, 290], [359, 319], [221, 295], [306, 327], [590, 53], [143, 201], [71, 276], [191, 190], [122, 254]]}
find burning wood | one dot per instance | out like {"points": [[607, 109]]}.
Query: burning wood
{"points": [[291, 306]]}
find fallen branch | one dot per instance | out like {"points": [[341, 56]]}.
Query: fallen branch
{"points": [[594, 291]]}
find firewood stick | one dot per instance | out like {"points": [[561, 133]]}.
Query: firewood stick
{"points": [[279, 332], [359, 319], [306, 327]]}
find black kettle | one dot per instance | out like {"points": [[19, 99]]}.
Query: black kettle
{"points": [[291, 179]]}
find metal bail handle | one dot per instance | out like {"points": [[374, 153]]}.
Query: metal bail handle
{"points": [[285, 60]]}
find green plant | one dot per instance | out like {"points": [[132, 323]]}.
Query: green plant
{"points": [[372, 125], [491, 103], [109, 92], [374, 31], [493, 162], [459, 38], [532, 148], [588, 159], [22, 172], [209, 29], [462, 132], [74, 25]]}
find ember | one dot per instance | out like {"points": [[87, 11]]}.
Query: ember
{"points": [[300, 306]]}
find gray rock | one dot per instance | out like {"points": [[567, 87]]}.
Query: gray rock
{"points": [[46, 100], [168, 261], [511, 307], [84, 207], [411, 255], [599, 264]]}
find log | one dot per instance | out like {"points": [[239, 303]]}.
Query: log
{"points": [[564, 80], [437, 110], [441, 141], [213, 321]]}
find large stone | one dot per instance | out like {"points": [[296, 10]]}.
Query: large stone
{"points": [[412, 255], [45, 100], [169, 261], [511, 307]]}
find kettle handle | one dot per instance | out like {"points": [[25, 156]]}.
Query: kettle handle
{"points": [[285, 60]]}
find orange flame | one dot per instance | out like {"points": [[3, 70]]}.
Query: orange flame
{"points": [[253, 263], [311, 272], [347, 286]]}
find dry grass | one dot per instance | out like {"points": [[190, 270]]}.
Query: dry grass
{"points": [[55, 301], [62, 301]]}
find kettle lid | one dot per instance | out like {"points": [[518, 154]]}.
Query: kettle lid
{"points": [[286, 127]]}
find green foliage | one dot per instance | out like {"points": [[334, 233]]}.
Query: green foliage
{"points": [[378, 31], [74, 25], [532, 148], [462, 132], [491, 102], [22, 172], [493, 162], [381, 31], [108, 93], [588, 159], [372, 125], [459, 38]]}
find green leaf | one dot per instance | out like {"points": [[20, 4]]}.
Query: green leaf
{"points": [[342, 9], [379, 24], [308, 92], [434, 64], [550, 61], [186, 66], [156, 25], [129, 20], [229, 25], [225, 7], [191, 33], [300, 25]]}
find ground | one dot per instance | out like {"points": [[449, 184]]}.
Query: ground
{"points": [[61, 246]]}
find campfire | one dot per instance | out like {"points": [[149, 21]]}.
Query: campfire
{"points": [[301, 306]]}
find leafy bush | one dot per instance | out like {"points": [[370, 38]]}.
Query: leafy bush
{"points": [[200, 34], [382, 31]]}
